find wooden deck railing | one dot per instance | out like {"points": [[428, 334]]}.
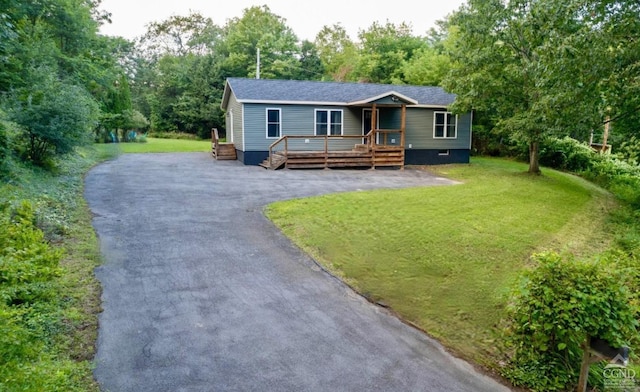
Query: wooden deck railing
{"points": [[283, 144]]}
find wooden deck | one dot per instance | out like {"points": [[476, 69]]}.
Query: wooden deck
{"points": [[221, 151], [283, 154]]}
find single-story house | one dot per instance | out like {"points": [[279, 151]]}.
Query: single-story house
{"points": [[411, 123]]}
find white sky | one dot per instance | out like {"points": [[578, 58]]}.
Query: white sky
{"points": [[306, 18]]}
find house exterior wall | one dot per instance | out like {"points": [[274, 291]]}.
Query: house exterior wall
{"points": [[420, 131], [234, 109], [250, 131], [297, 120]]}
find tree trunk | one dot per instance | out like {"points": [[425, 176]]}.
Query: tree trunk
{"points": [[534, 155]]}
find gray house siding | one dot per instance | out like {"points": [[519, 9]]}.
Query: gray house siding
{"points": [[297, 120], [420, 131], [235, 110], [421, 148], [297, 101]]}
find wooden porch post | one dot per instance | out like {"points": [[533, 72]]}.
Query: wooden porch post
{"points": [[374, 121], [372, 140], [403, 124], [326, 150], [403, 128]]}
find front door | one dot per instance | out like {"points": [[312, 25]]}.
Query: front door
{"points": [[366, 122]]}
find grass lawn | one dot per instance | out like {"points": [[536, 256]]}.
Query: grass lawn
{"points": [[445, 258], [156, 145]]}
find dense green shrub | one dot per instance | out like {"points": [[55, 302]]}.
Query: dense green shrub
{"points": [[30, 313], [27, 262], [619, 176], [559, 303], [173, 135], [567, 154], [629, 150], [55, 117]]}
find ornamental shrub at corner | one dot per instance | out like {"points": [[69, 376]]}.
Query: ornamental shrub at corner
{"points": [[559, 302]]}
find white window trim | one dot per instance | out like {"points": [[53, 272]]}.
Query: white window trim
{"points": [[455, 129], [266, 120], [315, 121]]}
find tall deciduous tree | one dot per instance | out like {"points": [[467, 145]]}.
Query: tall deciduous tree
{"points": [[179, 36], [384, 51], [543, 67], [338, 53], [259, 28], [53, 68], [427, 67], [176, 79]]}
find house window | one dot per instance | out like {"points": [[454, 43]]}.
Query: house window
{"points": [[273, 123], [328, 122], [445, 125], [443, 152]]}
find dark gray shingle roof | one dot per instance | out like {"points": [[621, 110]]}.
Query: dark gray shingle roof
{"points": [[330, 92]]}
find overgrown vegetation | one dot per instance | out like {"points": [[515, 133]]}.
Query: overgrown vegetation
{"points": [[619, 173], [60, 81], [49, 298], [562, 301]]}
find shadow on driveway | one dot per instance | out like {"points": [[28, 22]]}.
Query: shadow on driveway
{"points": [[202, 293]]}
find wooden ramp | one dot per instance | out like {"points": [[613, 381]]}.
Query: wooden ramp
{"points": [[221, 151]]}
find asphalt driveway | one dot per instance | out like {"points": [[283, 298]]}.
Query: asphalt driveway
{"points": [[202, 293]]}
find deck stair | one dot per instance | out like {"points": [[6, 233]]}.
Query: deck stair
{"points": [[388, 156], [277, 161], [221, 151]]}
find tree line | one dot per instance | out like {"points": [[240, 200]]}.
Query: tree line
{"points": [[530, 69], [180, 64], [60, 81]]}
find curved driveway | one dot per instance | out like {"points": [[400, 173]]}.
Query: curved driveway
{"points": [[202, 293]]}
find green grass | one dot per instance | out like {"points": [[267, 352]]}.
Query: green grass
{"points": [[445, 258], [156, 145]]}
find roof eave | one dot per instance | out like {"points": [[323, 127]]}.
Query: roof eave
{"points": [[324, 103], [392, 93], [283, 102], [432, 106], [225, 96]]}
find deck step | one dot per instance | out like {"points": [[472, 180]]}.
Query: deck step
{"points": [[277, 161], [223, 151]]}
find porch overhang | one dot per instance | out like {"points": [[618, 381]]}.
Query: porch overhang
{"points": [[388, 98]]}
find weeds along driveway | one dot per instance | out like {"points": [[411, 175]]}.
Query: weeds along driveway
{"points": [[202, 293]]}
